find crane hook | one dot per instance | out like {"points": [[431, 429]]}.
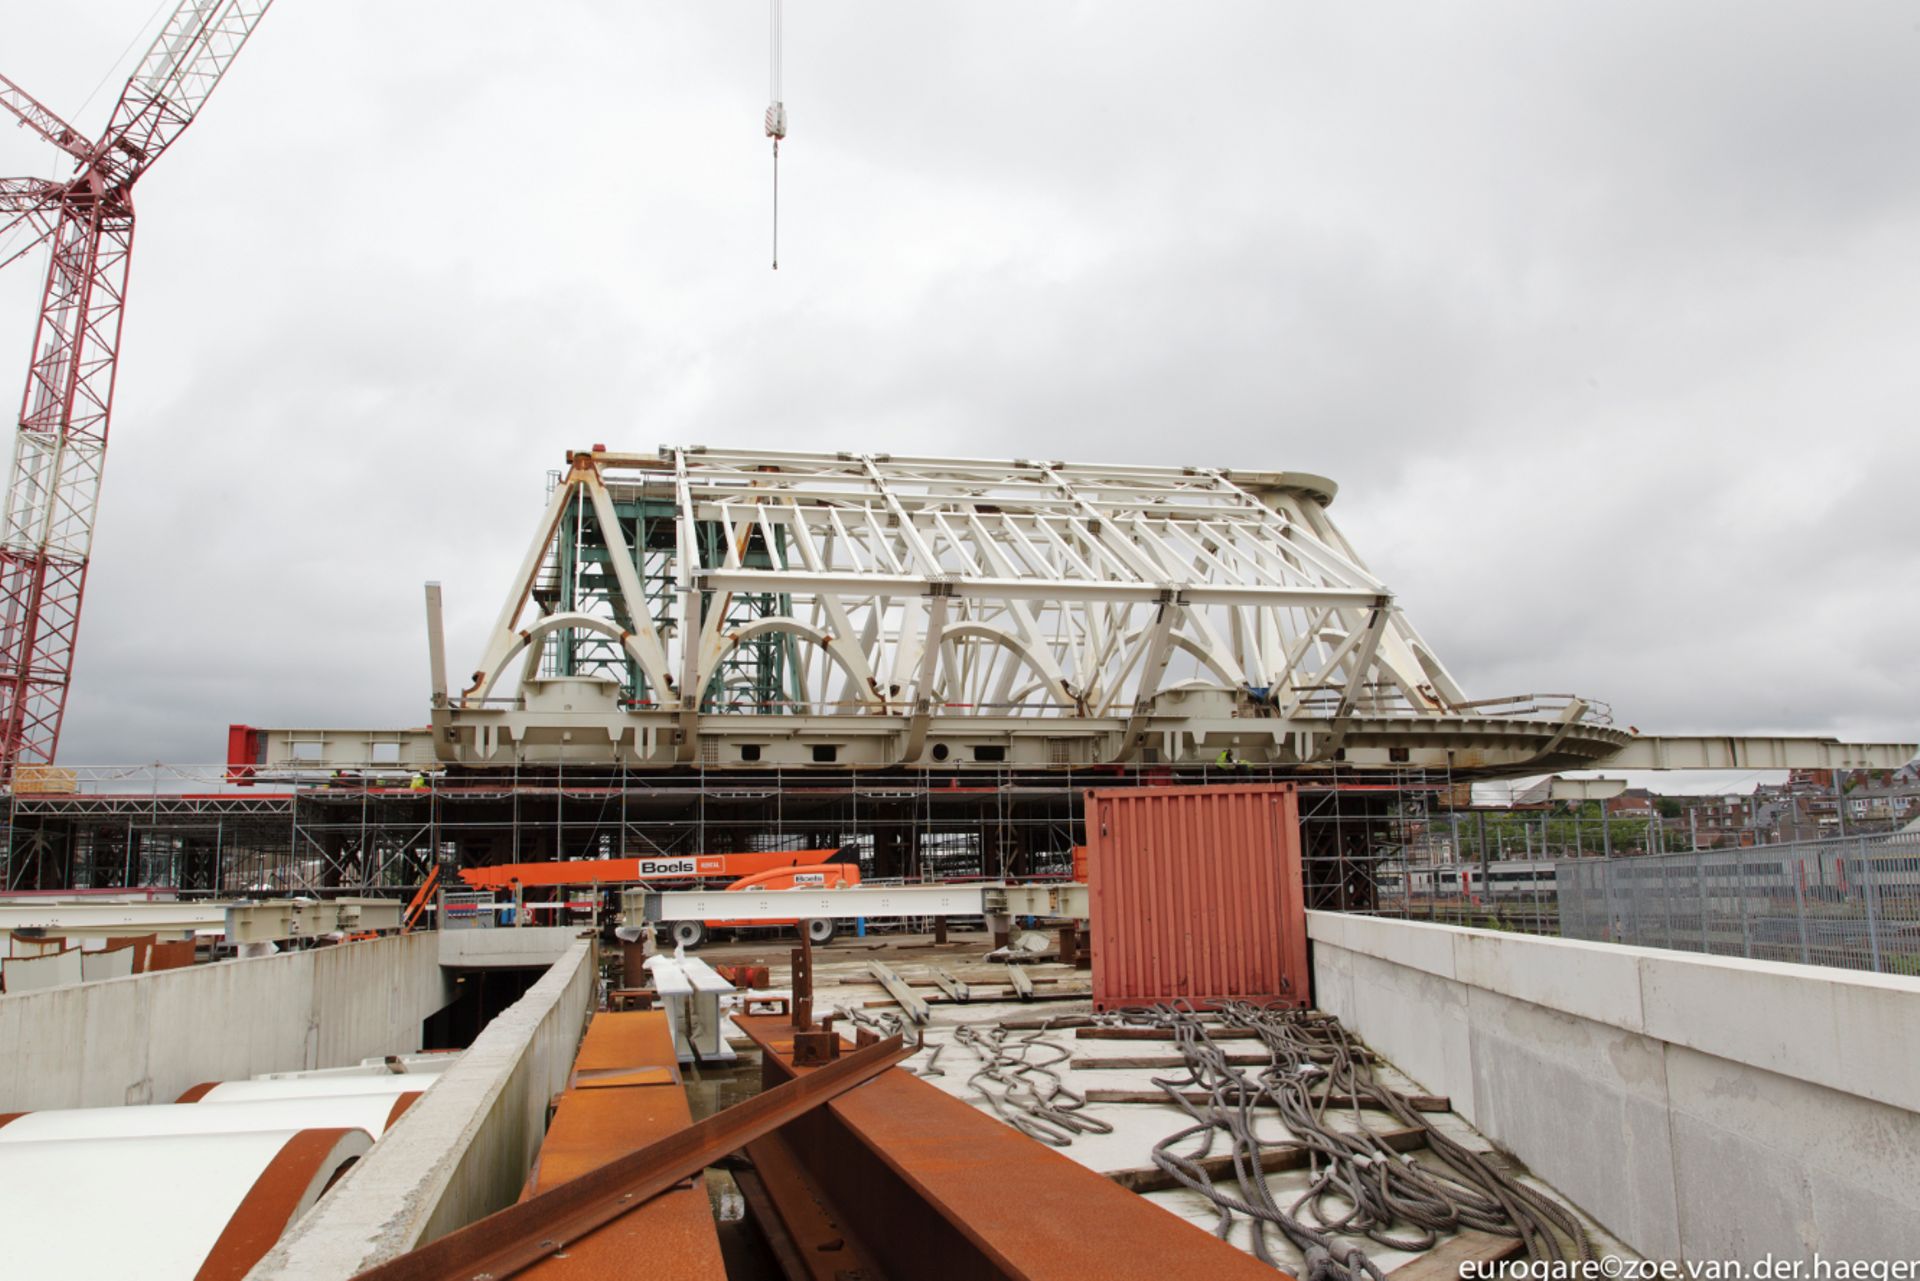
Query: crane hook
{"points": [[776, 129], [776, 113]]}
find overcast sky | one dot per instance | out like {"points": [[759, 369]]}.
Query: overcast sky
{"points": [[1603, 316]]}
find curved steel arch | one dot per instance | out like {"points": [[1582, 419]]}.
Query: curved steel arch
{"points": [[805, 631], [552, 623], [1229, 678], [1000, 636]]}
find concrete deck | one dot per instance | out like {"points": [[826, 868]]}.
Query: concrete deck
{"points": [[841, 979]]}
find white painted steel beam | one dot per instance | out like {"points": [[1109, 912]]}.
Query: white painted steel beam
{"points": [[855, 902], [117, 918], [691, 991], [280, 919], [1586, 789], [1143, 591], [240, 922], [1744, 752]]}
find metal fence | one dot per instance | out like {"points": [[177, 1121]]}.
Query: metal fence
{"points": [[1853, 903]]}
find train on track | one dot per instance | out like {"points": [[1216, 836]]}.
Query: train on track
{"points": [[1830, 872]]}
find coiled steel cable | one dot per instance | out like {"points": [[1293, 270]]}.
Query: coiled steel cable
{"points": [[1358, 1184], [886, 1023], [1024, 1090]]}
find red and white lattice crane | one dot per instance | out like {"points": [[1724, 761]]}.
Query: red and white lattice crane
{"points": [[60, 449]]}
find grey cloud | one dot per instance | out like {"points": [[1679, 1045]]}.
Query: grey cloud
{"points": [[1601, 316]]}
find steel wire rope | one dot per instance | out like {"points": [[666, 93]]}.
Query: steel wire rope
{"points": [[1359, 1185], [1207, 1065], [1031, 1095], [886, 1023]]}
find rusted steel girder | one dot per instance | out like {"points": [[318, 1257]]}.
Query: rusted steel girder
{"points": [[802, 981], [917, 1184], [625, 1093], [503, 1244]]}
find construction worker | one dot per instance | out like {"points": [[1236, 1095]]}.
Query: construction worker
{"points": [[1227, 760], [419, 783]]}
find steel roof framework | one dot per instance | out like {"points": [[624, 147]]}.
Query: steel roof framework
{"points": [[1082, 601]]}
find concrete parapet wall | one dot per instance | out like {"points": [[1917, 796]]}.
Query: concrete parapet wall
{"points": [[1700, 1107], [528, 947], [463, 1151], [146, 1038]]}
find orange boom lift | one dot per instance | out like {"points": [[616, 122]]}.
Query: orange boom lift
{"points": [[775, 870]]}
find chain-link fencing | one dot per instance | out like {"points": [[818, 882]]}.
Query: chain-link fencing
{"points": [[1853, 902]]}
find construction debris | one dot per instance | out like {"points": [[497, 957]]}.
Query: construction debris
{"points": [[914, 1007], [953, 987], [1029, 945]]}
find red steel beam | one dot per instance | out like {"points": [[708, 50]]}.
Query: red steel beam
{"points": [[934, 1190], [506, 1243], [624, 1093], [810, 1238]]}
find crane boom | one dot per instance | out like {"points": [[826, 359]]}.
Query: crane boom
{"points": [[59, 457], [41, 119], [181, 68]]}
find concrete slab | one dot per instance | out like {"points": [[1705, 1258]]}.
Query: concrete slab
{"points": [[1426, 948], [1842, 1153], [1584, 1104], [1426, 1035], [1769, 1016], [840, 979]]}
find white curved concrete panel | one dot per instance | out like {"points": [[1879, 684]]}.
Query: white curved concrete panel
{"points": [[361, 1111], [386, 1085], [172, 1198]]}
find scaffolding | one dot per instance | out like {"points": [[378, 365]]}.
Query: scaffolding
{"points": [[374, 834]]}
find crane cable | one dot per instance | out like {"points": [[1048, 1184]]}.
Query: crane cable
{"points": [[776, 115]]}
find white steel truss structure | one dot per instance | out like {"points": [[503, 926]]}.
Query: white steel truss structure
{"points": [[1023, 588], [770, 609], [742, 607]]}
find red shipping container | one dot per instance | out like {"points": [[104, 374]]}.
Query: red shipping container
{"points": [[1196, 895]]}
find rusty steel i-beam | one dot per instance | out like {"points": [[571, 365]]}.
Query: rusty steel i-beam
{"points": [[505, 1243]]}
